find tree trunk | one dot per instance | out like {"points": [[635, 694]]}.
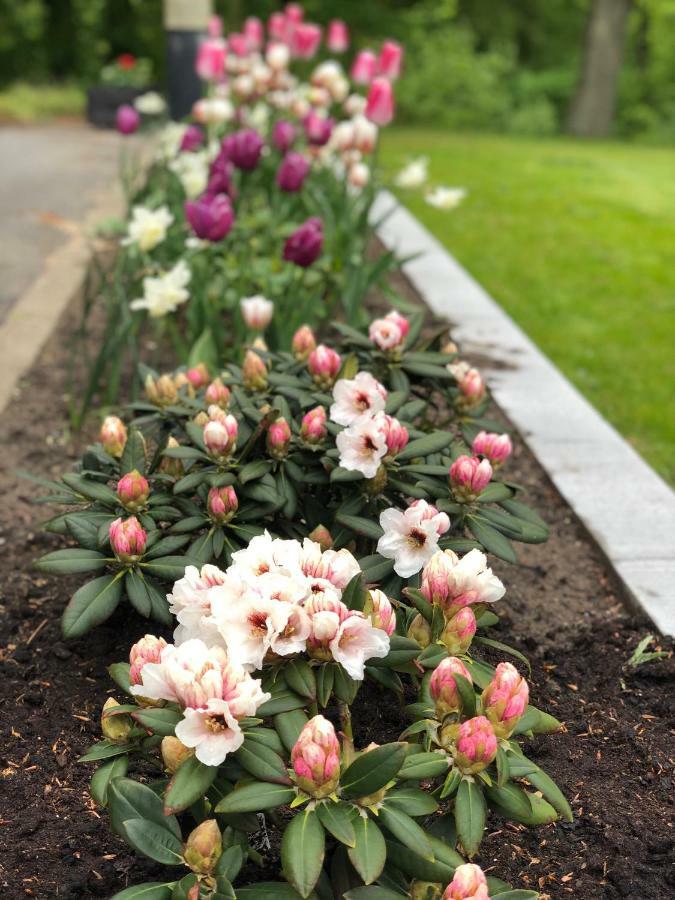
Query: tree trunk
{"points": [[592, 109]]}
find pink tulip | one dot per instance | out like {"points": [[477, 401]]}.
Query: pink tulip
{"points": [[277, 27], [505, 699], [278, 438], [193, 138], [459, 631], [254, 372], [305, 244], [147, 650], [127, 119], [313, 428], [243, 148], [217, 394], [443, 688], [283, 135], [113, 435], [254, 32], [303, 342], [475, 746], [211, 217], [324, 364], [338, 36], [305, 40], [292, 172], [215, 27], [210, 63], [469, 477], [222, 504], [133, 491], [316, 758], [469, 883], [220, 176], [364, 67], [496, 448], [389, 62], [318, 128], [380, 102], [127, 539]]}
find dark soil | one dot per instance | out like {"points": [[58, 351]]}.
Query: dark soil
{"points": [[562, 608]]}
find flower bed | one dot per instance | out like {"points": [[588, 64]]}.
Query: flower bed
{"points": [[328, 709]]}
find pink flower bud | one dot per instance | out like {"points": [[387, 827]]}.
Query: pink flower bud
{"points": [[420, 630], [389, 62], [254, 372], [470, 383], [324, 365], [505, 699], [198, 376], [338, 36], [443, 687], [292, 172], [303, 342], [381, 612], [113, 435], [316, 758], [459, 631], [469, 883], [220, 437], [313, 428], [147, 650], [496, 448], [203, 847], [283, 135], [133, 491], [386, 334], [401, 321], [127, 539], [321, 536], [395, 434], [254, 32], [305, 40], [210, 217], [127, 119], [469, 477], [217, 394], [222, 504], [380, 102], [364, 67], [475, 746], [303, 247], [279, 438], [210, 62], [257, 312]]}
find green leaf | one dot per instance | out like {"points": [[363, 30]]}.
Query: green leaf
{"points": [[119, 672], [159, 720], [516, 895], [412, 800], [281, 701], [169, 568], [361, 526], [491, 539], [92, 604], [337, 818], [415, 866], [93, 490], [420, 766], [505, 648], [254, 470], [470, 816], [401, 651], [230, 863], [128, 799], [261, 762], [267, 890], [189, 784], [100, 780], [540, 781], [183, 887], [494, 492], [406, 830], [369, 853], [425, 446], [467, 695], [510, 800], [153, 841], [302, 851], [189, 482], [204, 350], [288, 726], [134, 584], [256, 797], [300, 678], [373, 892], [167, 545], [149, 890], [133, 456], [372, 770], [71, 561], [325, 677]]}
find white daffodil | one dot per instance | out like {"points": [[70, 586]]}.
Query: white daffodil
{"points": [[148, 227], [445, 197], [164, 293], [414, 175]]}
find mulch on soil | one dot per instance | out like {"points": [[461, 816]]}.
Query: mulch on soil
{"points": [[562, 608]]}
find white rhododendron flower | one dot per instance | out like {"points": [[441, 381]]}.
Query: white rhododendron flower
{"points": [[411, 538], [150, 104], [454, 583], [191, 605], [164, 293], [213, 692], [446, 198], [413, 175], [356, 396], [170, 140], [192, 170], [362, 446], [147, 227], [357, 641]]}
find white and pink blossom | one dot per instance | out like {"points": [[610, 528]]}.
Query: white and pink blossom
{"points": [[354, 397], [409, 538], [362, 446]]}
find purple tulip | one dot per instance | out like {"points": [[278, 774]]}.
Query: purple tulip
{"points": [[318, 128], [211, 217], [243, 148], [283, 135], [220, 176], [292, 172], [127, 119], [192, 139], [304, 246]]}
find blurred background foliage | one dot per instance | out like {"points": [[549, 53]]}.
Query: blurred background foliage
{"points": [[493, 65]]}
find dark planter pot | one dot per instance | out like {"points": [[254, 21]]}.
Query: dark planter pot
{"points": [[103, 101]]}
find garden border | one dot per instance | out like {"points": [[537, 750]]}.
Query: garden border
{"points": [[626, 507]]}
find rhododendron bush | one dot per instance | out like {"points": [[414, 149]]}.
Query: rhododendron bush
{"points": [[308, 513]]}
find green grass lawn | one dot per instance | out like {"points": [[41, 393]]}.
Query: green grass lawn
{"points": [[577, 242]]}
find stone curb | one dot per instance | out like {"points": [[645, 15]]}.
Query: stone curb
{"points": [[37, 311], [627, 508]]}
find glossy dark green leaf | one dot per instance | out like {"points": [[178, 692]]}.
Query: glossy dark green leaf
{"points": [[372, 770], [92, 604], [190, 783], [369, 853], [470, 814], [70, 561], [302, 851], [256, 797]]}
